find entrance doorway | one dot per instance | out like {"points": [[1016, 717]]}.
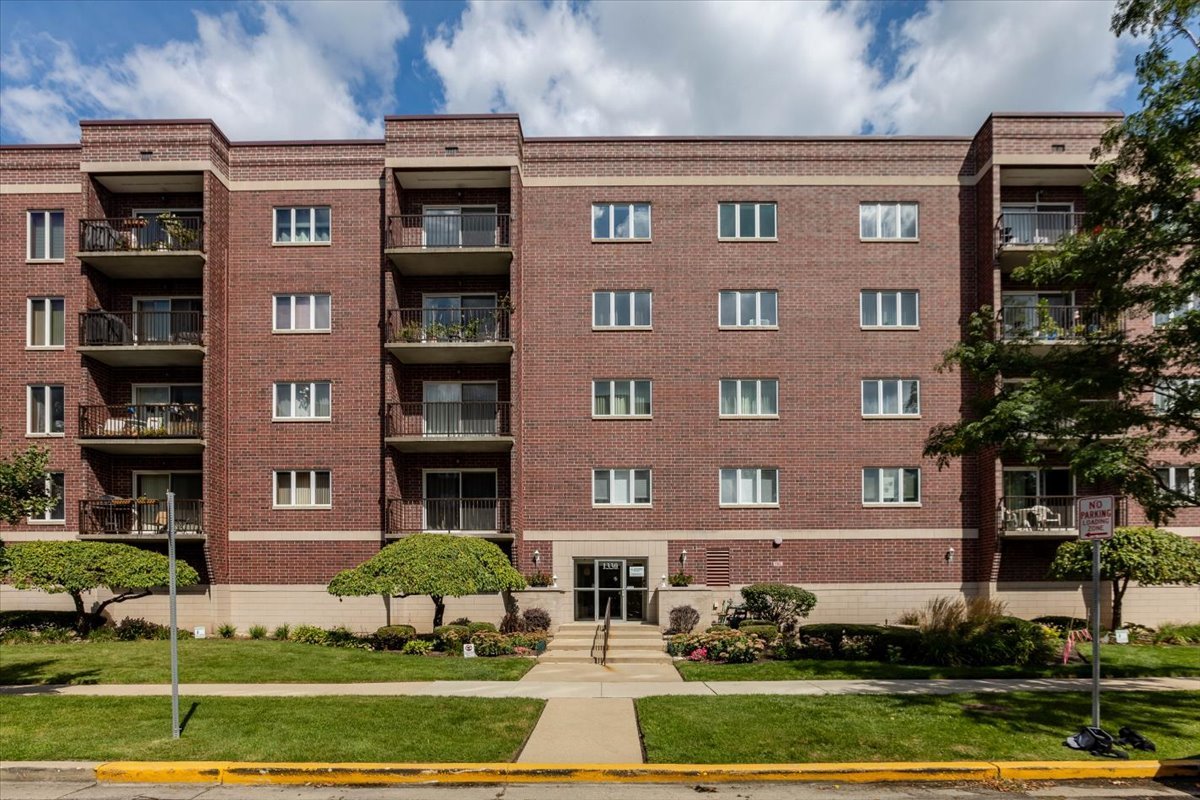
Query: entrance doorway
{"points": [[617, 583]]}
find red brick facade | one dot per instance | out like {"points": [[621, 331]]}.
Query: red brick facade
{"points": [[820, 531]]}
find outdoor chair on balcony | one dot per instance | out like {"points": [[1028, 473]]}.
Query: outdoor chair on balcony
{"points": [[101, 237], [1044, 517]]}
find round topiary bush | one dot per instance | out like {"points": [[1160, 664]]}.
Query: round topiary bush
{"points": [[765, 631], [489, 644], [481, 627], [393, 637], [451, 638], [684, 619]]}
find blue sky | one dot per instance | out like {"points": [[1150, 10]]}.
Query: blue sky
{"points": [[332, 70]]}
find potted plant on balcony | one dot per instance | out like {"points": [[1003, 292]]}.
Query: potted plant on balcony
{"points": [[180, 234], [1048, 327], [411, 331]]}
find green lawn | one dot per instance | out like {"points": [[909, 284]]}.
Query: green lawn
{"points": [[266, 728], [1117, 661], [237, 661], [1013, 726]]}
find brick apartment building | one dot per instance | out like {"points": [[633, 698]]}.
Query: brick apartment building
{"points": [[619, 358]]}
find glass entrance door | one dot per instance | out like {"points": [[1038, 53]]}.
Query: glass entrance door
{"points": [[618, 584]]}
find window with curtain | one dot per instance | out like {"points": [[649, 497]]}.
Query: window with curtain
{"points": [[887, 220], [749, 397], [621, 487], [621, 398], [302, 400], [302, 312], [46, 410], [889, 309], [55, 485], [891, 485], [748, 309], [46, 236], [303, 489], [47, 326], [302, 225], [749, 486], [621, 309], [891, 397]]}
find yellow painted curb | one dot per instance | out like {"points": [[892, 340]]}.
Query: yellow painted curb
{"points": [[161, 771], [1085, 770]]}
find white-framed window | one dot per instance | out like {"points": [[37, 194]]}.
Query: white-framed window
{"points": [[749, 309], [749, 397], [887, 220], [303, 489], [746, 221], [621, 487], [749, 486], [1184, 480], [891, 397], [46, 322], [891, 486], [45, 404], [620, 220], [1172, 391], [302, 312], [621, 398], [1192, 304], [302, 225], [621, 309], [303, 400], [46, 236], [56, 486], [889, 308]]}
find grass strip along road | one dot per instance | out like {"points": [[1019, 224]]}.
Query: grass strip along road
{"points": [[217, 661], [1117, 661], [741, 729], [266, 728]]}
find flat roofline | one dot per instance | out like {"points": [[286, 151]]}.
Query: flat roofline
{"points": [[305, 142], [149, 122], [41, 146], [1058, 114], [861, 138], [427, 117]]}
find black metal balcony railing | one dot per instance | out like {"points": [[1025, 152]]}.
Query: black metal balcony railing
{"points": [[448, 325], [141, 234], [130, 328], [155, 421], [470, 515], [1047, 513], [449, 230], [123, 516], [450, 420], [1036, 227], [1050, 323]]}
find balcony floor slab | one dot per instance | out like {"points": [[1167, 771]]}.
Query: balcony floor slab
{"points": [[148, 446], [153, 264], [448, 444], [146, 355], [438, 261], [451, 352]]}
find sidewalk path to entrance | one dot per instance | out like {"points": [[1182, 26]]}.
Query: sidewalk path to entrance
{"points": [[601, 689], [585, 730]]}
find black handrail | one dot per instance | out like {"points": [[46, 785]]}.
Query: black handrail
{"points": [[607, 630]]}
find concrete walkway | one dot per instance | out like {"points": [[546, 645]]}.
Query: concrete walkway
{"points": [[585, 731], [615, 688]]}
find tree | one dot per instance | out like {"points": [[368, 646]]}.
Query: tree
{"points": [[1150, 556], [77, 567], [23, 488], [438, 565], [1135, 253]]}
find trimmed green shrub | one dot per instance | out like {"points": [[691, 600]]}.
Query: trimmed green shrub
{"points": [[257, 632], [489, 644], [763, 630], [733, 647], [451, 638], [482, 627], [393, 637], [535, 619], [282, 633], [227, 630], [309, 634], [853, 643], [341, 636], [132, 629], [1176, 633], [1008, 640], [780, 603], [108, 633], [534, 640], [417, 647], [684, 619]]}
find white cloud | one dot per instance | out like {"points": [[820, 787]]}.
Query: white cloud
{"points": [[772, 67], [959, 61], [296, 77]]}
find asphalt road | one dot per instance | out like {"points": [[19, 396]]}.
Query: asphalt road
{"points": [[1122, 790]]}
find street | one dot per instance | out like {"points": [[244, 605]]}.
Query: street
{"points": [[1124, 790]]}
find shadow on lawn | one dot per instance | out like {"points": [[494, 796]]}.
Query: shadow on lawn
{"points": [[26, 673]]}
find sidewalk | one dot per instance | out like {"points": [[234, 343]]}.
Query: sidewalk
{"points": [[616, 688]]}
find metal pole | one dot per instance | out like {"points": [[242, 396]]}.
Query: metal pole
{"points": [[174, 625], [1096, 633]]}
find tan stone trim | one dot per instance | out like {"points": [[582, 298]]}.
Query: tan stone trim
{"points": [[116, 167], [1184, 531], [745, 180], [742, 534], [1043, 159], [283, 186], [305, 536], [40, 188], [48, 533], [451, 163]]}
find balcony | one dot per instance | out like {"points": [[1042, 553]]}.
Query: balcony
{"points": [[449, 336], [453, 427], [1055, 324], [142, 518], [489, 517], [143, 247], [142, 338], [160, 429], [1020, 233], [1044, 516], [450, 244]]}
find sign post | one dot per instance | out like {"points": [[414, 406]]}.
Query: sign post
{"points": [[174, 621], [1095, 516]]}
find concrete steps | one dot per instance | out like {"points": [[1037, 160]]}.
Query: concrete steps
{"points": [[628, 643]]}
